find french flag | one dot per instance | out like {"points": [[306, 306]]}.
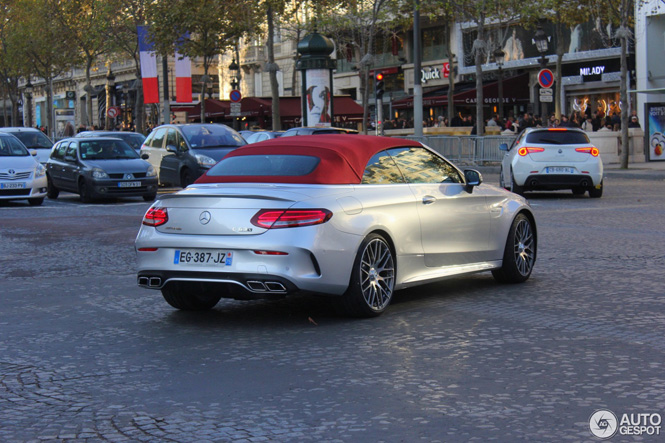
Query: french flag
{"points": [[148, 67], [183, 77]]}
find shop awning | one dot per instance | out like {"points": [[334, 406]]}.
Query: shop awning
{"points": [[515, 91]]}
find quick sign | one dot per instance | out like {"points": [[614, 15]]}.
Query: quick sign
{"points": [[430, 74]]}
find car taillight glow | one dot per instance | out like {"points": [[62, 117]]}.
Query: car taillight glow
{"points": [[155, 217], [147, 249], [589, 150], [524, 150], [557, 129], [270, 253], [290, 218]]}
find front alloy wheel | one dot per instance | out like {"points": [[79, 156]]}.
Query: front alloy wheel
{"points": [[372, 279], [520, 253]]}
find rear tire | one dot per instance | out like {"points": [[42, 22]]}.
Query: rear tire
{"points": [[514, 187], [51, 191], [372, 279], [596, 192], [190, 296], [519, 255]]}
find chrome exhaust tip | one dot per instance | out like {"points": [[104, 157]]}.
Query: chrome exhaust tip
{"points": [[274, 286], [144, 281], [155, 282], [256, 286]]}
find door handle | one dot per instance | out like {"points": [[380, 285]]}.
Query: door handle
{"points": [[428, 200]]}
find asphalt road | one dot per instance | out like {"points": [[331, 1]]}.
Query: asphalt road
{"points": [[86, 355]]}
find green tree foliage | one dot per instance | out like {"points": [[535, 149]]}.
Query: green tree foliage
{"points": [[46, 46], [203, 28]]}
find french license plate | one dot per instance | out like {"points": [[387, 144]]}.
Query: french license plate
{"points": [[559, 170], [129, 184], [203, 257], [19, 185]]}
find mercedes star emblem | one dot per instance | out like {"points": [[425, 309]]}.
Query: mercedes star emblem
{"points": [[205, 217]]}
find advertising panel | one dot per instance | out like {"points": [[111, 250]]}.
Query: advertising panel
{"points": [[655, 131], [318, 97]]}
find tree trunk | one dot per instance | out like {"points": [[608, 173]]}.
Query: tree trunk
{"points": [[451, 79], [204, 87], [49, 107], [559, 58], [88, 86], [272, 70], [479, 48], [625, 144]]}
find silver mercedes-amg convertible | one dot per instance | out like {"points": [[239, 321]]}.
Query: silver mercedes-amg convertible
{"points": [[352, 216]]}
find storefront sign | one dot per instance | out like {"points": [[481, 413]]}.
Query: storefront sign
{"points": [[430, 74], [492, 100]]}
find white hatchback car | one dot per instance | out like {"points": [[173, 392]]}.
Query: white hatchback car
{"points": [[22, 177], [552, 159]]}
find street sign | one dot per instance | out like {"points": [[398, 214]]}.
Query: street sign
{"points": [[113, 112], [235, 110], [546, 95], [546, 78], [235, 96], [446, 70]]}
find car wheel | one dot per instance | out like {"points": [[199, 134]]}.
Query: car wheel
{"points": [[190, 296], [519, 255], [596, 192], [372, 279], [36, 201], [149, 197], [51, 191], [84, 191], [514, 187], [186, 178]]}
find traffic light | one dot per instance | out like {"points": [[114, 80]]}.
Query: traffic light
{"points": [[379, 85]]}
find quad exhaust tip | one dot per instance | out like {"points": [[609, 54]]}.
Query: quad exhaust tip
{"points": [[150, 282], [269, 286]]}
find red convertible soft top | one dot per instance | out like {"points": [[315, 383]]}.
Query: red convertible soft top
{"points": [[343, 157]]}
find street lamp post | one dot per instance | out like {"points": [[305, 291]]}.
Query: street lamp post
{"points": [[499, 56], [110, 84], [235, 84], [28, 100], [541, 40]]}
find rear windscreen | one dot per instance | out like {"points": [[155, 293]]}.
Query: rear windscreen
{"points": [[270, 165], [557, 138]]}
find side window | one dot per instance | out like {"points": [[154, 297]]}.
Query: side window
{"points": [[71, 150], [171, 138], [381, 170], [517, 140], [148, 139], [158, 138], [59, 152], [182, 143], [418, 165]]}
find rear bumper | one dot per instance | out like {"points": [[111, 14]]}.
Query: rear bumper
{"points": [[246, 285], [556, 181]]}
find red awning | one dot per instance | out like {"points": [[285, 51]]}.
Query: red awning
{"points": [[515, 91]]}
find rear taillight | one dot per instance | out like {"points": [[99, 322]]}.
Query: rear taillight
{"points": [[155, 217], [524, 150], [589, 150], [290, 218]]}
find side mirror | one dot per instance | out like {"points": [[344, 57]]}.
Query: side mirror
{"points": [[473, 178], [171, 148], [33, 152], [503, 147], [145, 156]]}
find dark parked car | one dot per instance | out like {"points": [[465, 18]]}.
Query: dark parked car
{"points": [[32, 139], [312, 130], [182, 153], [133, 139], [96, 167]]}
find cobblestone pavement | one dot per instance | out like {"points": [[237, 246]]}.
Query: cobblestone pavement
{"points": [[86, 355]]}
